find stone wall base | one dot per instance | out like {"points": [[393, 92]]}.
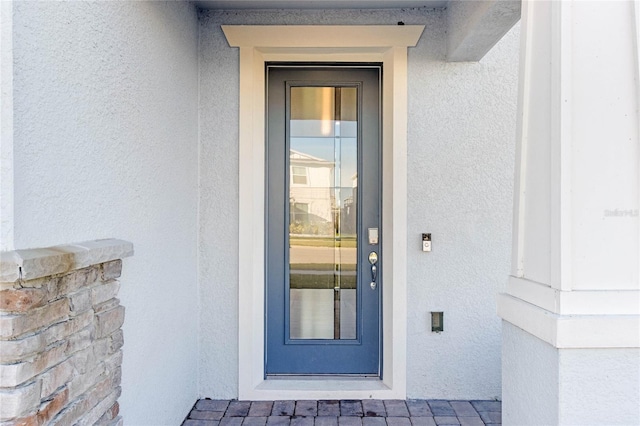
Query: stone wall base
{"points": [[60, 334]]}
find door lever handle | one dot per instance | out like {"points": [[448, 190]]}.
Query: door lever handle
{"points": [[373, 259]]}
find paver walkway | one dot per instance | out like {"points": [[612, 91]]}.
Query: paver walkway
{"points": [[370, 412]]}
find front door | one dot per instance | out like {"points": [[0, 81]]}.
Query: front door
{"points": [[323, 260]]}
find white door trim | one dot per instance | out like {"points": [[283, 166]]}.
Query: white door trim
{"points": [[261, 44]]}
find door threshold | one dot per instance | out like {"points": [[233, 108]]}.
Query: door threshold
{"points": [[322, 377], [321, 387]]}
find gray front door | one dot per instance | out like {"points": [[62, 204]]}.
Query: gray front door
{"points": [[323, 259]]}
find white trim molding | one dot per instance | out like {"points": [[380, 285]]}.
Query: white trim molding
{"points": [[372, 43], [573, 319], [578, 302], [571, 331]]}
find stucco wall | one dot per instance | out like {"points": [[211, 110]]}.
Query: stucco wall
{"points": [[531, 377], [105, 145], [603, 377], [544, 385], [6, 126], [460, 177]]}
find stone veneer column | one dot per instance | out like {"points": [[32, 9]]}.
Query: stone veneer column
{"points": [[60, 334], [571, 310]]}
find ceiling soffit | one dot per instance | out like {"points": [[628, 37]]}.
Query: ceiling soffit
{"points": [[473, 27], [318, 4]]}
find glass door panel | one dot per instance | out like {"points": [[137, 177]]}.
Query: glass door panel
{"points": [[322, 197], [323, 183]]}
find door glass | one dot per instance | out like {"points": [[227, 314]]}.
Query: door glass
{"points": [[323, 184]]}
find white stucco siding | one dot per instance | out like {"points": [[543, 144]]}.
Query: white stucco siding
{"points": [[460, 177], [105, 145], [218, 224], [545, 385], [530, 373], [6, 126], [599, 378]]}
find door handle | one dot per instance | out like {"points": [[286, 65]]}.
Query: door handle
{"points": [[373, 259]]}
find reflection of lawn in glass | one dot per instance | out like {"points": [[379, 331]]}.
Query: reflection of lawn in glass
{"points": [[320, 275], [322, 242], [321, 267], [320, 281]]}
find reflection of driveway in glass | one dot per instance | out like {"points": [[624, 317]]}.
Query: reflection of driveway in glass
{"points": [[312, 314], [301, 254]]}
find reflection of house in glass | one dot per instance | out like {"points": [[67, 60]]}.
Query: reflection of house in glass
{"points": [[312, 198], [349, 208], [311, 195]]}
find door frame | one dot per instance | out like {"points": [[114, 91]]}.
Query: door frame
{"points": [[370, 43]]}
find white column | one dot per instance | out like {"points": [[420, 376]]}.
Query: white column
{"points": [[571, 310]]}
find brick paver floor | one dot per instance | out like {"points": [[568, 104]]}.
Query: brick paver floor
{"points": [[208, 412]]}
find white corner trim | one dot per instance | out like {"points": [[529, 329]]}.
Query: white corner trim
{"points": [[259, 45]]}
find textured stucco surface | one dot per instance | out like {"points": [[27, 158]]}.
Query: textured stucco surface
{"points": [[105, 145], [218, 226], [546, 385], [607, 379], [6, 126], [530, 379], [460, 177]]}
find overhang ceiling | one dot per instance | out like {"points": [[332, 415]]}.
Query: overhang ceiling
{"points": [[473, 27], [318, 4]]}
